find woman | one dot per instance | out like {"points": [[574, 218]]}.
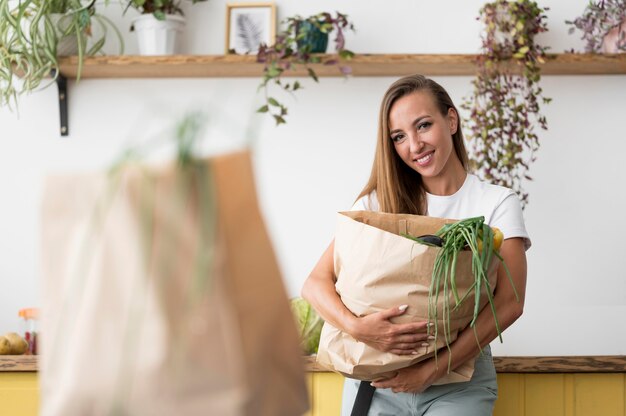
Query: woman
{"points": [[421, 167]]}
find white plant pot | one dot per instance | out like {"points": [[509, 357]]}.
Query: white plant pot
{"points": [[612, 39], [67, 46], [156, 37]]}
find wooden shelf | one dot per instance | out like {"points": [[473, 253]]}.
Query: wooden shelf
{"points": [[363, 65], [573, 364]]}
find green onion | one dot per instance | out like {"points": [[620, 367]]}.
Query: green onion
{"points": [[456, 237]]}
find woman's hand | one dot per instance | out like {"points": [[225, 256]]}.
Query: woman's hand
{"points": [[413, 379], [377, 331]]}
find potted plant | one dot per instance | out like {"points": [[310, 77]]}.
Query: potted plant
{"points": [[158, 25], [34, 33], [300, 44], [504, 107], [603, 24]]}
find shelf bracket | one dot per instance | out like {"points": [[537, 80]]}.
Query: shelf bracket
{"points": [[62, 87]]}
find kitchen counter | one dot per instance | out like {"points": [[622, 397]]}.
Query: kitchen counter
{"points": [[569, 364], [18, 363]]}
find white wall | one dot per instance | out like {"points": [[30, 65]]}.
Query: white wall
{"points": [[317, 163]]}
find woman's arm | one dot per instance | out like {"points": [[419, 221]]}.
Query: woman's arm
{"points": [[375, 329], [508, 309]]}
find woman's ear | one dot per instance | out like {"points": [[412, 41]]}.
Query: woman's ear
{"points": [[453, 119]]}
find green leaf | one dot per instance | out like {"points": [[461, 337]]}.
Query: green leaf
{"points": [[279, 120], [273, 102], [273, 71], [326, 27], [523, 50], [263, 109], [312, 74], [346, 54]]}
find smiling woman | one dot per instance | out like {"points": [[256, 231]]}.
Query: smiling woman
{"points": [[420, 167], [417, 117], [422, 134]]}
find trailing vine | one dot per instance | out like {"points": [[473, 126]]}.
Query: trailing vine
{"points": [[291, 50], [597, 20], [504, 107]]}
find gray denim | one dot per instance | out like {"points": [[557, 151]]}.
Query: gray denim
{"points": [[472, 398]]}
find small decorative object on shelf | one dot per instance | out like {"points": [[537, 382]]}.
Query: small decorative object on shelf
{"points": [[34, 33], [30, 317], [248, 25], [159, 25], [505, 104], [298, 44], [603, 24]]}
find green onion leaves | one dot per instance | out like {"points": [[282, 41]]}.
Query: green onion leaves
{"points": [[471, 234]]}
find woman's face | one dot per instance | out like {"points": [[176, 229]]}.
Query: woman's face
{"points": [[422, 136]]}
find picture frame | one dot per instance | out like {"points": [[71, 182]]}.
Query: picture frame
{"points": [[248, 25]]}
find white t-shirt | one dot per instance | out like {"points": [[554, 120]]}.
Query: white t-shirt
{"points": [[499, 205]]}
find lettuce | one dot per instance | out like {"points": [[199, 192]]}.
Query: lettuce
{"points": [[309, 325]]}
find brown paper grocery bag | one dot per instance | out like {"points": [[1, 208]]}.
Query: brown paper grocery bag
{"points": [[162, 296], [377, 268]]}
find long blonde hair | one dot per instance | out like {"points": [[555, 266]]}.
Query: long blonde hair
{"points": [[399, 189]]}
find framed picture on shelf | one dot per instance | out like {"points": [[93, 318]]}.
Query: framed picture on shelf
{"points": [[248, 25]]}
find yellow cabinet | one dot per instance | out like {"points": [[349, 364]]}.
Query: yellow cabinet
{"points": [[578, 394], [524, 394], [19, 394]]}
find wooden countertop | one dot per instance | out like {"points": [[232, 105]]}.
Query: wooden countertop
{"points": [[569, 364], [18, 363]]}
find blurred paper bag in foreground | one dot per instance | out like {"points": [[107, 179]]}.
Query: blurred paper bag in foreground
{"points": [[162, 296], [377, 268]]}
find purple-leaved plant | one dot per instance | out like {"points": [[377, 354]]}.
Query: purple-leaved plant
{"points": [[505, 104], [286, 53], [597, 20]]}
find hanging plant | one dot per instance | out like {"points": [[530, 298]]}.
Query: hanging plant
{"points": [[504, 108], [603, 25], [300, 44], [34, 33]]}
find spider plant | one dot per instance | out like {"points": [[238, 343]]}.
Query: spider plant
{"points": [[30, 34]]}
